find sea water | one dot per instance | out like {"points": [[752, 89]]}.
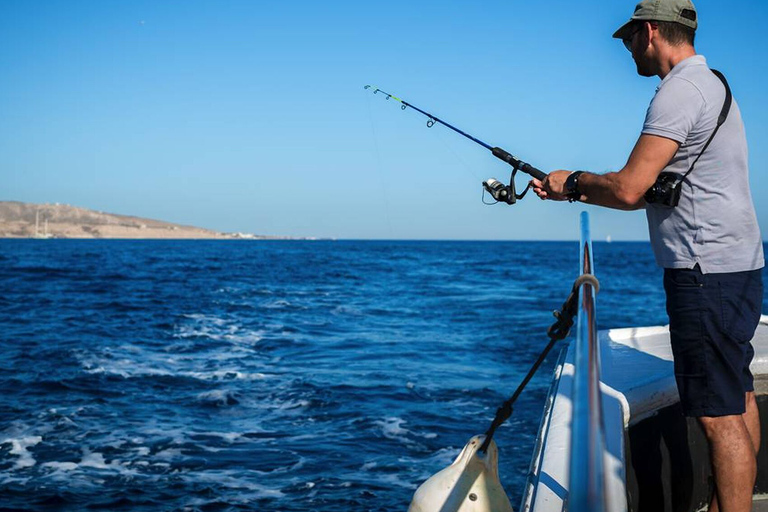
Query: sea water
{"points": [[278, 375]]}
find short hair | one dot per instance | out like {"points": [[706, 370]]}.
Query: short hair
{"points": [[676, 34]]}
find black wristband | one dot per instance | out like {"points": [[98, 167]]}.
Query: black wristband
{"points": [[572, 186]]}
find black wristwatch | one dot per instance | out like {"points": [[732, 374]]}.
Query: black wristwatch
{"points": [[572, 186]]}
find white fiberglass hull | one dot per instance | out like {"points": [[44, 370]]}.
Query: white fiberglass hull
{"points": [[639, 397]]}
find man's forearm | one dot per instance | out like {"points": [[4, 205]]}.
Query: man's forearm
{"points": [[622, 190], [608, 190]]}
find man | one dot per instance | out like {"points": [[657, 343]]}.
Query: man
{"points": [[709, 243]]}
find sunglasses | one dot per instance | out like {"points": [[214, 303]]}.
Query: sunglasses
{"points": [[628, 40]]}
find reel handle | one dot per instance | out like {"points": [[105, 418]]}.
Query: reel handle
{"points": [[514, 162]]}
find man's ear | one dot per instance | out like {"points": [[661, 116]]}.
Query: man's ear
{"points": [[649, 32]]}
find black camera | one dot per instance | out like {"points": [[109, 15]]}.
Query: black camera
{"points": [[666, 191]]}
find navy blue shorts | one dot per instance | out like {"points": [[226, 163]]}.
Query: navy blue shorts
{"points": [[712, 319]]}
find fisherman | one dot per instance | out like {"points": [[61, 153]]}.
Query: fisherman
{"points": [[707, 239]]}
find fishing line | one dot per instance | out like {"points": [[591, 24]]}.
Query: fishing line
{"points": [[467, 168], [382, 184]]}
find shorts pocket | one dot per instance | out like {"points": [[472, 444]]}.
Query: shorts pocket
{"points": [[741, 298]]}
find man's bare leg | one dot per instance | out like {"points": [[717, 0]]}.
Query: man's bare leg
{"points": [[751, 420]]}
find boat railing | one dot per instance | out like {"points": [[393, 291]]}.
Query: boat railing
{"points": [[587, 489]]}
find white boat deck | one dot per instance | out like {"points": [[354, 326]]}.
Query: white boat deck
{"points": [[637, 380]]}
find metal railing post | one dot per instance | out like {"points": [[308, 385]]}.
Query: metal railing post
{"points": [[587, 476]]}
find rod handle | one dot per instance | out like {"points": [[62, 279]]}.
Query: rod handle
{"points": [[514, 162]]}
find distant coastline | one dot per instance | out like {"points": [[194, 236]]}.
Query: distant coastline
{"points": [[29, 220]]}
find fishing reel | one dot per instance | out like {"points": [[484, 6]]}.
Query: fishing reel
{"points": [[502, 193]]}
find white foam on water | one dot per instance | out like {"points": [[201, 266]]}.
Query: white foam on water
{"points": [[95, 460], [6, 479], [347, 310], [61, 466], [218, 397], [202, 317], [129, 362], [442, 458], [234, 353], [169, 454], [217, 329], [224, 375], [229, 437], [276, 304], [211, 449], [392, 428], [245, 482], [19, 447], [287, 469], [235, 438], [291, 404], [127, 347], [133, 369], [88, 461], [443, 455], [394, 480]]}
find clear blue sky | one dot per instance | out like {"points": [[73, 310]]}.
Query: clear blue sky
{"points": [[251, 115]]}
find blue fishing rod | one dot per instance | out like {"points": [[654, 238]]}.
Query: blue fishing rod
{"points": [[500, 192]]}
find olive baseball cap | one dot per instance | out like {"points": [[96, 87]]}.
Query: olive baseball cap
{"points": [[678, 11]]}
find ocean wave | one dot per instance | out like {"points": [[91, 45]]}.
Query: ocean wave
{"points": [[244, 482], [129, 371], [133, 364], [277, 304], [392, 428], [219, 398], [217, 329]]}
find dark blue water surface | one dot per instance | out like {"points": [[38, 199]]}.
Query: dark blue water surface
{"points": [[285, 375]]}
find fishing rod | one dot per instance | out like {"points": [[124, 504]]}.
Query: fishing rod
{"points": [[499, 191]]}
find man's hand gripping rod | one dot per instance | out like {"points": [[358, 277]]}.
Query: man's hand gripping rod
{"points": [[500, 192]]}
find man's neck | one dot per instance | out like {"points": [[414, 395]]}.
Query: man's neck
{"points": [[672, 57]]}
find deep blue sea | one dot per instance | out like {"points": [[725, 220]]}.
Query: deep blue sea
{"points": [[277, 375]]}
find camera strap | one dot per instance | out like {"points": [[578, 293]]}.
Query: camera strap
{"points": [[720, 120]]}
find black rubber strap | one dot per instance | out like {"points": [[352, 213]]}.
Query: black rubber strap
{"points": [[720, 120]]}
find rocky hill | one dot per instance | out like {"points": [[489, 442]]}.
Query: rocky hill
{"points": [[27, 220]]}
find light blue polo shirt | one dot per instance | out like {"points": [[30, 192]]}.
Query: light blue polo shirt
{"points": [[714, 224]]}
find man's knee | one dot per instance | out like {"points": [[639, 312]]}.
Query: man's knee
{"points": [[728, 434], [720, 426]]}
